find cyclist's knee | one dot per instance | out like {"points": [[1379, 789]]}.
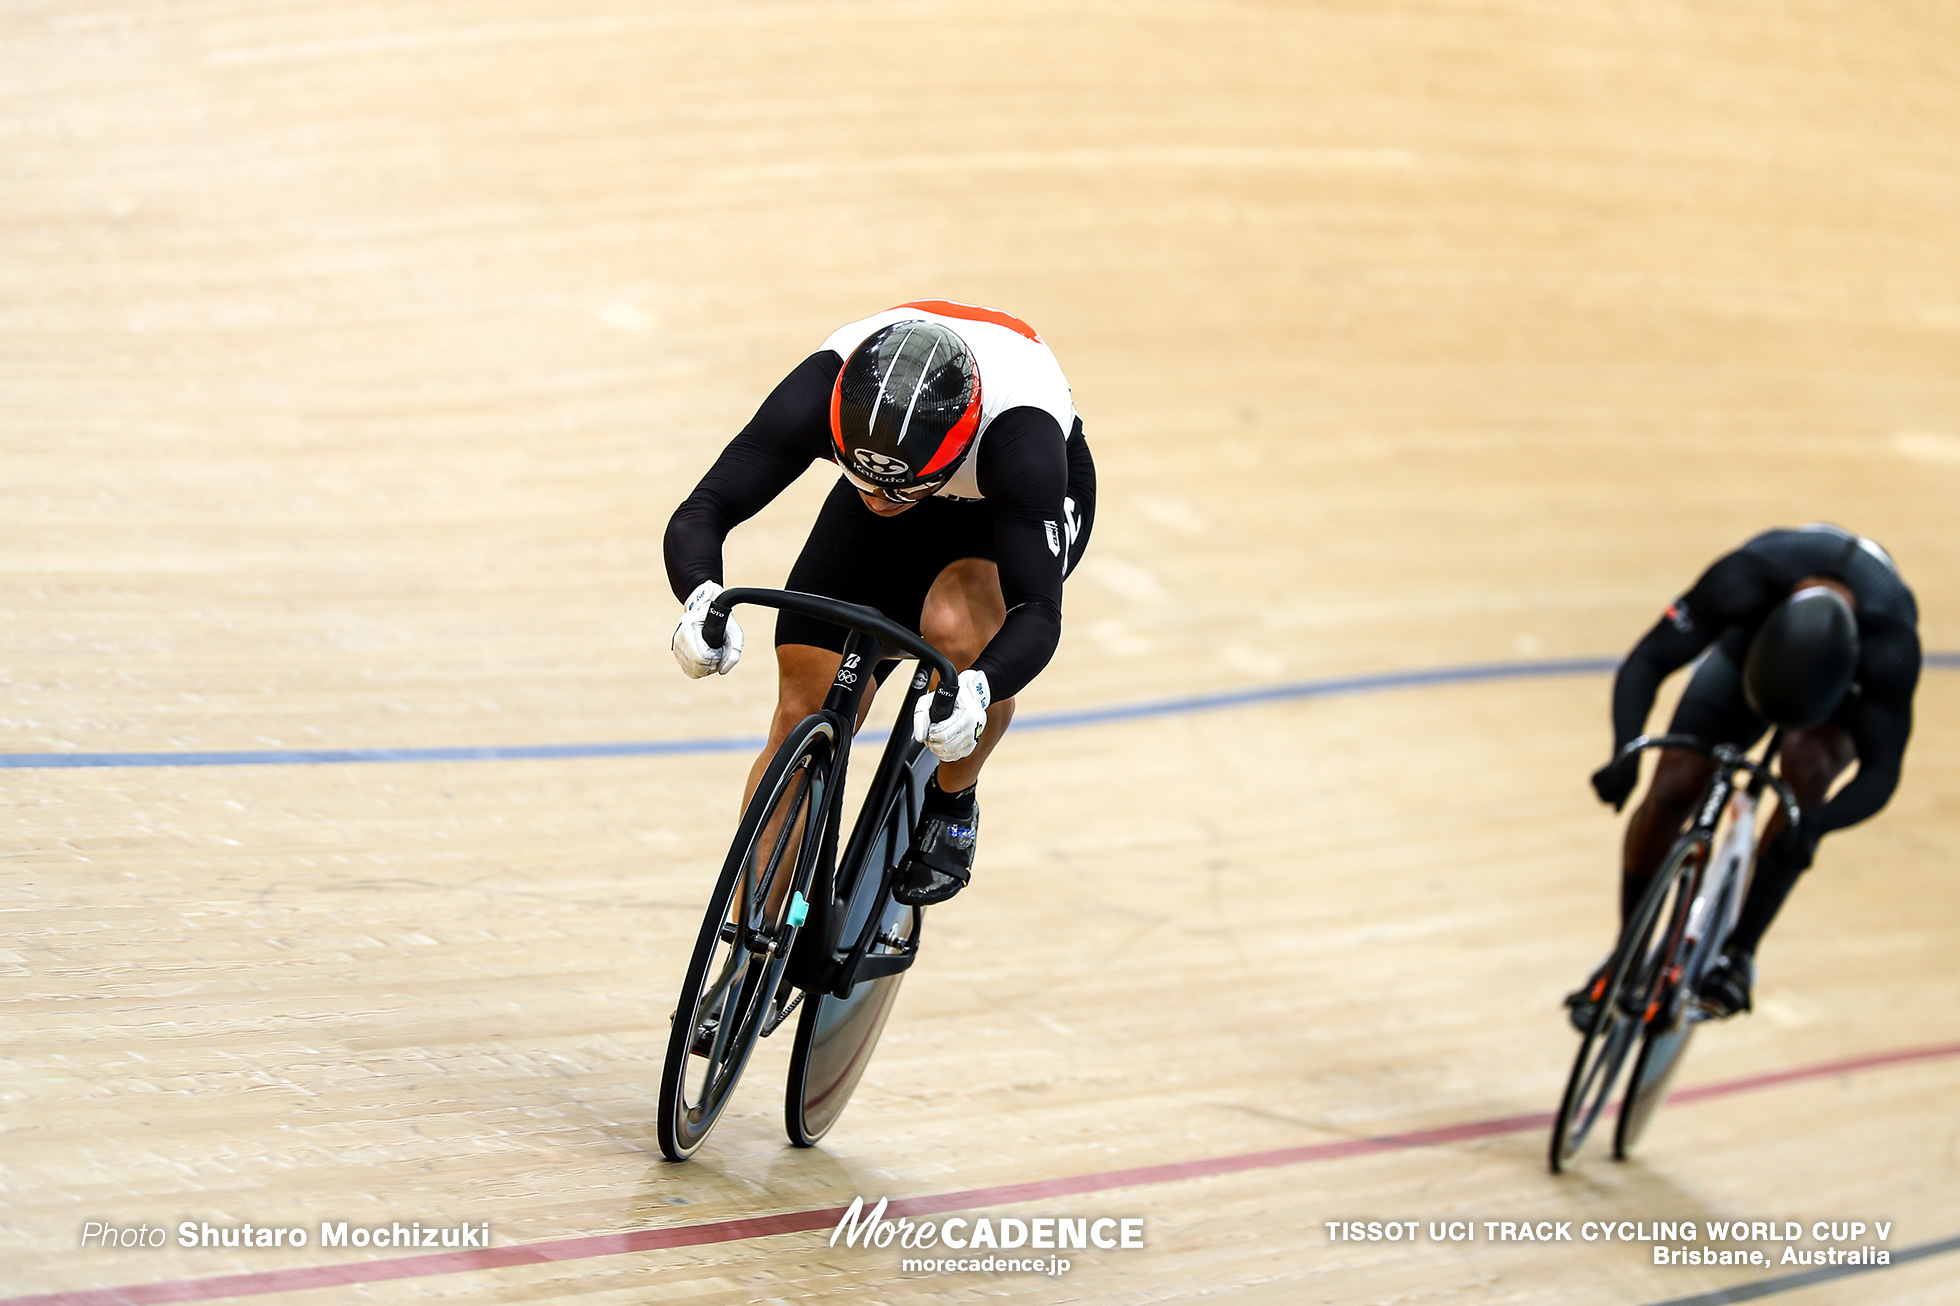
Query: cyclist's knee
{"points": [[803, 678], [964, 610], [959, 639], [1811, 760], [1678, 781]]}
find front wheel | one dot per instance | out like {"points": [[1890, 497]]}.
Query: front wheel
{"points": [[1635, 983], [732, 984]]}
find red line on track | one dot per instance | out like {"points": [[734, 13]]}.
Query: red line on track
{"points": [[763, 1226]]}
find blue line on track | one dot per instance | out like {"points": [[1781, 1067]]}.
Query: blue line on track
{"points": [[1317, 689], [1292, 690], [315, 756]]}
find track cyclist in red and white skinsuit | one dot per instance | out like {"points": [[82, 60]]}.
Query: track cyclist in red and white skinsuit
{"points": [[966, 498]]}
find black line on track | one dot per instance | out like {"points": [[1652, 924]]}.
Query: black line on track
{"points": [[1805, 1278]]}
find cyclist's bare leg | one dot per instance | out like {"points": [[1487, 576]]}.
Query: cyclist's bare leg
{"points": [[804, 674], [963, 611], [1811, 761], [1680, 778]]}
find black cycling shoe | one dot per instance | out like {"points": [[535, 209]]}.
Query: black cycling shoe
{"points": [[1724, 990], [940, 861], [1582, 1004]]}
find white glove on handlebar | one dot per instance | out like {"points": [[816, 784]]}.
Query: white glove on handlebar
{"points": [[959, 734], [691, 650]]}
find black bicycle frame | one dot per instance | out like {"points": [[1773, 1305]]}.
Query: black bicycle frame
{"points": [[812, 963], [1728, 760]]}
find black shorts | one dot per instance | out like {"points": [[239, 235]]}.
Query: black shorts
{"points": [[1714, 709], [890, 563], [887, 563]]}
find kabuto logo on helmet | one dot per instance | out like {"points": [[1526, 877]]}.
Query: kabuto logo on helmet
{"points": [[878, 466], [906, 405]]}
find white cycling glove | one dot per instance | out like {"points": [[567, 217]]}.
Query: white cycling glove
{"points": [[958, 734], [691, 650]]}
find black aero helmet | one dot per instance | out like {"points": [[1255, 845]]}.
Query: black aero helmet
{"points": [[1802, 659], [905, 407]]}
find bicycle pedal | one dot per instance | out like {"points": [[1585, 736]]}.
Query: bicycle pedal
{"points": [[896, 942]]}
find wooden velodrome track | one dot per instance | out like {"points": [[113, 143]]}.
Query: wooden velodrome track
{"points": [[352, 357]]}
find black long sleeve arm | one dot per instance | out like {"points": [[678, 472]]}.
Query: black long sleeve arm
{"points": [[1024, 472], [1737, 590], [1888, 673], [1660, 653], [789, 431]]}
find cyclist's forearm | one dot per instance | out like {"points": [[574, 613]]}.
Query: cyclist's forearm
{"points": [[1880, 736], [1634, 688], [1021, 648], [692, 547], [1860, 800]]}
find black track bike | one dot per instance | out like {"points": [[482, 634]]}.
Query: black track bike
{"points": [[1685, 917], [790, 922]]}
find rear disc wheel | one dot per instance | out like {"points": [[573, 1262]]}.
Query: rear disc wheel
{"points": [[835, 1036]]}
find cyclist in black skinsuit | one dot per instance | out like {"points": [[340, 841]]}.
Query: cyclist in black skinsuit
{"points": [[966, 496], [1811, 630]]}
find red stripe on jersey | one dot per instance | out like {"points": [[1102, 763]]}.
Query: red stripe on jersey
{"points": [[973, 313]]}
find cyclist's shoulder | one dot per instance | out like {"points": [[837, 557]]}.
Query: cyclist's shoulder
{"points": [[1024, 456], [794, 417], [1889, 663], [1824, 548], [1862, 563]]}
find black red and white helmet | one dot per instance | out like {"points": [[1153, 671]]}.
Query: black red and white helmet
{"points": [[905, 410]]}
